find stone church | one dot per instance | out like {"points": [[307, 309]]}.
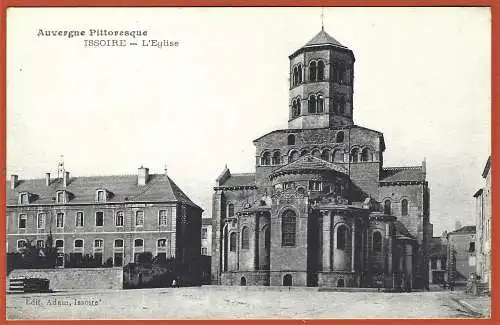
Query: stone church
{"points": [[321, 209]]}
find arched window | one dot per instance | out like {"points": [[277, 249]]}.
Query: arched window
{"points": [[365, 155], [244, 238], [295, 78], [299, 72], [319, 104], [339, 137], [265, 159], [303, 152], [312, 71], [354, 155], [296, 107], [312, 104], [338, 156], [325, 155], [232, 242], [287, 280], [294, 155], [404, 207], [340, 283], [230, 210], [387, 206], [341, 237], [138, 243], [316, 153], [291, 139], [243, 281], [288, 228], [321, 71], [276, 159], [377, 242]]}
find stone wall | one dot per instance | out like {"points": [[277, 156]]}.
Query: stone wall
{"points": [[72, 279]]}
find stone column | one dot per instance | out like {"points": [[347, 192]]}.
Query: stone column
{"points": [[408, 262], [256, 242], [327, 224], [388, 248], [353, 246]]}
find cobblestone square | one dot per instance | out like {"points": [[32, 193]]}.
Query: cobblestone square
{"points": [[218, 302]]}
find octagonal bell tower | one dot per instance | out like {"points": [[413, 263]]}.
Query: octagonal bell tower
{"points": [[321, 84]]}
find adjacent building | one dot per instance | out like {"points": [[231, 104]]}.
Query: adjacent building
{"points": [[438, 250], [206, 236], [112, 218], [483, 227], [461, 254], [321, 208]]}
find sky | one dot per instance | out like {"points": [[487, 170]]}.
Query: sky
{"points": [[422, 76]]}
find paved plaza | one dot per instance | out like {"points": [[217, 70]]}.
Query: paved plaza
{"points": [[217, 302]]}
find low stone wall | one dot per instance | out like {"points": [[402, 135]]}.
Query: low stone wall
{"points": [[251, 278], [74, 278], [331, 279]]}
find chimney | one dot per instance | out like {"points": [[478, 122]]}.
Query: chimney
{"points": [[66, 179], [47, 179], [13, 181], [424, 167], [142, 176]]}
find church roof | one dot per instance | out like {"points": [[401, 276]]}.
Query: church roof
{"points": [[242, 179], [402, 174], [309, 162], [159, 188], [323, 38]]}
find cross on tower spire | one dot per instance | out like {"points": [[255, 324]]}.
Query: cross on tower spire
{"points": [[322, 18]]}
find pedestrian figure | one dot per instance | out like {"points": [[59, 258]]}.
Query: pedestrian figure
{"points": [[174, 283]]}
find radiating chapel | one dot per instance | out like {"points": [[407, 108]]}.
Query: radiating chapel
{"points": [[321, 209]]}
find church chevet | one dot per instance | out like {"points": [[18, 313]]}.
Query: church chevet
{"points": [[321, 209]]}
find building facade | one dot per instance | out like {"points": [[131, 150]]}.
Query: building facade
{"points": [[483, 227], [112, 218], [321, 209], [206, 236], [461, 254]]}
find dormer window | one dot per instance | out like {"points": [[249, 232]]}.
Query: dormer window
{"points": [[61, 197], [101, 195], [24, 198]]}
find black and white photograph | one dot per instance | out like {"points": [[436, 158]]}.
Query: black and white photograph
{"points": [[248, 163]]}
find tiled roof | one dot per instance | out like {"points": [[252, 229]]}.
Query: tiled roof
{"points": [[159, 188], [464, 230], [402, 174], [401, 230], [309, 162], [323, 38], [243, 179]]}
